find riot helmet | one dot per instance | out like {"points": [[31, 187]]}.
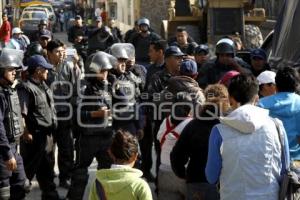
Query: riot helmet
{"points": [[225, 46], [130, 50], [102, 61], [144, 21], [34, 48], [11, 58], [43, 22], [122, 50]]}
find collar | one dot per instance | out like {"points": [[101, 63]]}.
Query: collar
{"points": [[115, 166]]}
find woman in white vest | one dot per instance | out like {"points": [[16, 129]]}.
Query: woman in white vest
{"points": [[244, 149]]}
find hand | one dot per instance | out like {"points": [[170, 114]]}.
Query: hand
{"points": [[27, 137], [140, 134], [11, 164], [102, 112]]}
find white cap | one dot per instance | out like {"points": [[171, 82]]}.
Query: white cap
{"points": [[16, 30], [266, 77]]}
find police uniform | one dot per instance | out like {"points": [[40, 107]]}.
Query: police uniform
{"points": [[147, 141], [126, 92], [95, 132], [100, 40], [40, 118], [11, 128], [157, 84], [142, 43], [125, 101]]}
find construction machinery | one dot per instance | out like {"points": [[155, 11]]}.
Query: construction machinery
{"points": [[209, 20]]}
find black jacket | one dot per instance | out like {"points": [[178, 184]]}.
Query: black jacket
{"points": [[192, 148]]}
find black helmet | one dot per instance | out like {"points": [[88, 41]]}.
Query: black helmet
{"points": [[43, 22], [34, 48], [224, 46], [201, 48]]}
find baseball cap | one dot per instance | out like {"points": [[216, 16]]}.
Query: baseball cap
{"points": [[16, 30], [173, 51], [45, 34], [188, 67], [259, 53], [266, 77], [78, 17], [38, 61], [201, 48], [225, 80]]}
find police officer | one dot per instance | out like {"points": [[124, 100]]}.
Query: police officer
{"points": [[100, 40], [77, 28], [12, 174], [139, 70], [141, 41], [94, 119], [40, 118], [213, 70], [159, 80], [43, 25], [126, 92]]}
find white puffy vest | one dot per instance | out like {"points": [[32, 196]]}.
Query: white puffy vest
{"points": [[251, 163]]}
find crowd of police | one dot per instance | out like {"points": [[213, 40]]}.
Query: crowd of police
{"points": [[51, 96]]}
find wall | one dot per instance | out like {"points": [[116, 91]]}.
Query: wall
{"points": [[155, 11], [123, 12]]}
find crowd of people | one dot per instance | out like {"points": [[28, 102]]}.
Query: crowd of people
{"points": [[210, 118]]}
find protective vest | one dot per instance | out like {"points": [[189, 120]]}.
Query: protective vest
{"points": [[42, 114], [13, 122], [96, 97], [125, 94]]}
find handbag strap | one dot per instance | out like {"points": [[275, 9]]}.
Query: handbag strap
{"points": [[281, 140], [100, 190]]}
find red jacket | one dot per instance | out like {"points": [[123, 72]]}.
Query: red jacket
{"points": [[5, 32]]}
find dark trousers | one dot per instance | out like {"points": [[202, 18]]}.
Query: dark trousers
{"points": [[146, 148], [61, 26], [65, 157], [16, 179], [87, 148], [39, 163]]}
